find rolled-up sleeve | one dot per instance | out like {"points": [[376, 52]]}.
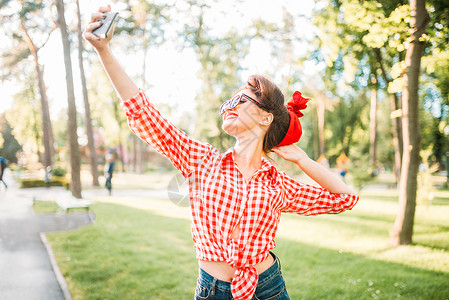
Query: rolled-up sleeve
{"points": [[310, 200], [148, 124]]}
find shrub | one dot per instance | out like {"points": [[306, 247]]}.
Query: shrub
{"points": [[58, 171], [55, 181], [360, 170]]}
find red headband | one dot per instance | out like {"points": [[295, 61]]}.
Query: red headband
{"points": [[294, 106]]}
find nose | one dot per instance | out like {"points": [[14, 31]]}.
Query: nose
{"points": [[228, 107], [225, 106]]}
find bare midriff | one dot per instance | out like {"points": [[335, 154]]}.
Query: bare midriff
{"points": [[223, 271]]}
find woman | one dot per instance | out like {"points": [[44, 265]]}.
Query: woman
{"points": [[237, 196]]}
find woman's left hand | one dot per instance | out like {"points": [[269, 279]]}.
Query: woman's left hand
{"points": [[291, 153]]}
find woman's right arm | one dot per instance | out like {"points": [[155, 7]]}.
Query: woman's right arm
{"points": [[122, 83], [143, 118]]}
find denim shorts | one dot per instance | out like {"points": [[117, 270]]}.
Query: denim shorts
{"points": [[271, 285]]}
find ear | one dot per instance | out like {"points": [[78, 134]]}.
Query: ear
{"points": [[266, 119]]}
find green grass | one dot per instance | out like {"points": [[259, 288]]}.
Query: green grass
{"points": [[143, 250], [50, 206], [127, 254], [45, 207]]}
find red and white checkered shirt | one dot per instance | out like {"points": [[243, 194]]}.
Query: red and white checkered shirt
{"points": [[222, 200]]}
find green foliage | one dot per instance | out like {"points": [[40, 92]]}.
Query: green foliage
{"points": [[27, 128], [360, 170], [425, 190], [10, 146], [55, 181], [438, 28], [432, 135], [437, 67], [357, 39], [106, 113], [220, 58], [344, 120], [59, 172], [31, 6], [11, 60], [145, 20], [35, 16]]}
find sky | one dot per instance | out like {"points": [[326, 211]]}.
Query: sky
{"points": [[165, 65]]}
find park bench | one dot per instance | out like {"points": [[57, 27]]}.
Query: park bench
{"points": [[68, 203]]}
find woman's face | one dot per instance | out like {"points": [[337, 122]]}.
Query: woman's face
{"points": [[245, 118]]}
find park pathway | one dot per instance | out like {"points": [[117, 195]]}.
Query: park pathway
{"points": [[26, 268]]}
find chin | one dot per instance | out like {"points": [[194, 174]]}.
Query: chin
{"points": [[229, 128]]}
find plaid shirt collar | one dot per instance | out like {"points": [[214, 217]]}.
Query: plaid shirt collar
{"points": [[228, 158]]}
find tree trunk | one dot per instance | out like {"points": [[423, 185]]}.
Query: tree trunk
{"points": [[37, 132], [397, 137], [397, 130], [75, 184], [140, 144], [315, 135], [47, 137], [320, 109], [121, 156], [373, 122], [139, 156], [87, 118], [403, 228]]}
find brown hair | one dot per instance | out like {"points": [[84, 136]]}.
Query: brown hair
{"points": [[269, 95]]}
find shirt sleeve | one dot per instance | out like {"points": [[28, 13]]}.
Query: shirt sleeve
{"points": [[310, 200], [148, 124]]}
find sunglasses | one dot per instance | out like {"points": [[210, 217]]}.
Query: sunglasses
{"points": [[236, 100]]}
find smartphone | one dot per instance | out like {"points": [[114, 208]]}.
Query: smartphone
{"points": [[103, 30]]}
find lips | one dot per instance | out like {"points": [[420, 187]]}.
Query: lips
{"points": [[230, 115]]}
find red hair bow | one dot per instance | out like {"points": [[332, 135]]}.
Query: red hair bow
{"points": [[294, 106], [297, 103]]}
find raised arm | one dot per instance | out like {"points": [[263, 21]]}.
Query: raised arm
{"points": [[122, 83], [321, 175], [143, 117]]}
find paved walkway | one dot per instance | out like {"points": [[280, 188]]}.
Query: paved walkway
{"points": [[26, 269]]}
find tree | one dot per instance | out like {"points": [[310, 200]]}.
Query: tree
{"points": [[146, 24], [75, 161], [393, 32], [403, 227], [361, 40], [321, 103], [10, 146], [219, 57], [30, 14], [110, 121], [396, 121], [87, 117], [436, 80], [28, 128], [373, 122]]}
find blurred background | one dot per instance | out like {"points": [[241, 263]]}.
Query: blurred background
{"points": [[377, 74]]}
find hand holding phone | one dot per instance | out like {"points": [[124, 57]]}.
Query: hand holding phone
{"points": [[106, 26]]}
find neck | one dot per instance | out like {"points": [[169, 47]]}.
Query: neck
{"points": [[248, 154]]}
